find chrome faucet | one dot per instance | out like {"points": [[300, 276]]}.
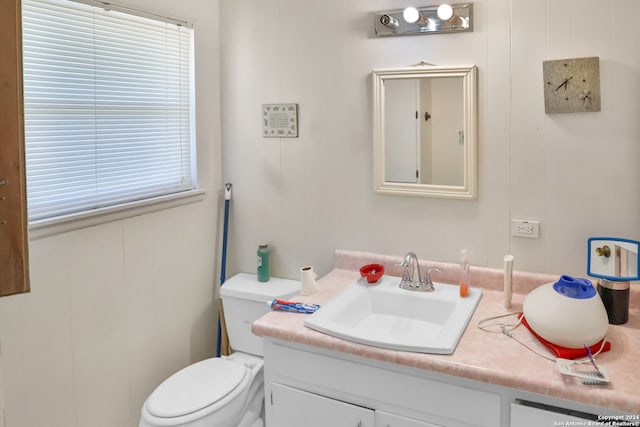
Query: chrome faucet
{"points": [[414, 282]]}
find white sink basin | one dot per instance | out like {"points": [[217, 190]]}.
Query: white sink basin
{"points": [[383, 315]]}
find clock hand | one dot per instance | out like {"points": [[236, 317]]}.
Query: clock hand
{"points": [[564, 83]]}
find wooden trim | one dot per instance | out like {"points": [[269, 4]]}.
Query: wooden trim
{"points": [[14, 271]]}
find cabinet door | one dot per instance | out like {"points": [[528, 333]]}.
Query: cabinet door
{"points": [[385, 419], [294, 408]]}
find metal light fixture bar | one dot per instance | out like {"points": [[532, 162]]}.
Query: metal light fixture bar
{"points": [[393, 23]]}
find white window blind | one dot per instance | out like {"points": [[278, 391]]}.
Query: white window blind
{"points": [[108, 107]]}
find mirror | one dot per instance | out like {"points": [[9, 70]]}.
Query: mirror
{"points": [[613, 259], [425, 131]]}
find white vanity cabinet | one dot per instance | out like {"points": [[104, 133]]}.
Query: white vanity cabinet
{"points": [[310, 386], [307, 381]]}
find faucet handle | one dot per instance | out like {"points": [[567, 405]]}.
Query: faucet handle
{"points": [[427, 283]]}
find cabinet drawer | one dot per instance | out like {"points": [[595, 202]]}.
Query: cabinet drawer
{"points": [[525, 415], [294, 408], [386, 419]]}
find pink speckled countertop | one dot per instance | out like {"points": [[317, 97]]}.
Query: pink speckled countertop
{"points": [[488, 357]]}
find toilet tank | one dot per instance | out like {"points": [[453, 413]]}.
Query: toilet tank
{"points": [[244, 300]]}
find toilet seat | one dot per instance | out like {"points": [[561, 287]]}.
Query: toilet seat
{"points": [[230, 384], [170, 400]]}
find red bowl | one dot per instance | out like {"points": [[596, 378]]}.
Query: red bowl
{"points": [[372, 272]]}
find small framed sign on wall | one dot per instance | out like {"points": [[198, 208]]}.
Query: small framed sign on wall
{"points": [[280, 120]]}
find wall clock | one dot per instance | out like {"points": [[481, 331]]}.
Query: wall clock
{"points": [[571, 85]]}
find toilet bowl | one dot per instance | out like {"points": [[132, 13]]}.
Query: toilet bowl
{"points": [[225, 391], [219, 391]]}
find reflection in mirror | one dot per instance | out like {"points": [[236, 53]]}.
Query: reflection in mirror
{"points": [[613, 259], [424, 131]]}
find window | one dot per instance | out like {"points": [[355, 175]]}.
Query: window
{"points": [[108, 101]]}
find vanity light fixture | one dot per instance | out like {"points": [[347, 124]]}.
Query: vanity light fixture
{"points": [[446, 18]]}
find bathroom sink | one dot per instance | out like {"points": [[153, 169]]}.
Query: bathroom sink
{"points": [[383, 315]]}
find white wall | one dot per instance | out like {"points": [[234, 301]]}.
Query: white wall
{"points": [[114, 309], [575, 173]]}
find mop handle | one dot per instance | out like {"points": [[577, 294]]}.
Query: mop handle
{"points": [[227, 198], [223, 268]]}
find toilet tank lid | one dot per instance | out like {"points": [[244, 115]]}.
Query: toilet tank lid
{"points": [[247, 286]]}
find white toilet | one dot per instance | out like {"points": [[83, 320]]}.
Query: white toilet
{"points": [[222, 391]]}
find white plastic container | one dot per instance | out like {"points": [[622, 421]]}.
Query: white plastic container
{"points": [[568, 313]]}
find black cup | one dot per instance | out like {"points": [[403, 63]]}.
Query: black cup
{"points": [[615, 297]]}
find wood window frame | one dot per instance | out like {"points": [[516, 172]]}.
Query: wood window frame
{"points": [[14, 241]]}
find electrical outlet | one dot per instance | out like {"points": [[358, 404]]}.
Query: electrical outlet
{"points": [[522, 228]]}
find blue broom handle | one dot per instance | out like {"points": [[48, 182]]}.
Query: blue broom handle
{"points": [[223, 268], [225, 230]]}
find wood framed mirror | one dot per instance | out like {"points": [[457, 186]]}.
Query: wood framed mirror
{"points": [[425, 131]]}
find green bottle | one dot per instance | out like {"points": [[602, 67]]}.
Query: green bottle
{"points": [[263, 263]]}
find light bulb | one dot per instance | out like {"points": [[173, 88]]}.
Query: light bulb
{"points": [[445, 12], [411, 15]]}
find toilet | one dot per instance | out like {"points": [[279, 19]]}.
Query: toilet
{"points": [[222, 391]]}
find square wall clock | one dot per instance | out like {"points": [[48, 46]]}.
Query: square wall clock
{"points": [[571, 85]]}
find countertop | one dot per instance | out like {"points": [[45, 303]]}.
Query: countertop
{"points": [[482, 356]]}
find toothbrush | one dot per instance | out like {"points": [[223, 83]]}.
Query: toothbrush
{"points": [[598, 376], [593, 362]]}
